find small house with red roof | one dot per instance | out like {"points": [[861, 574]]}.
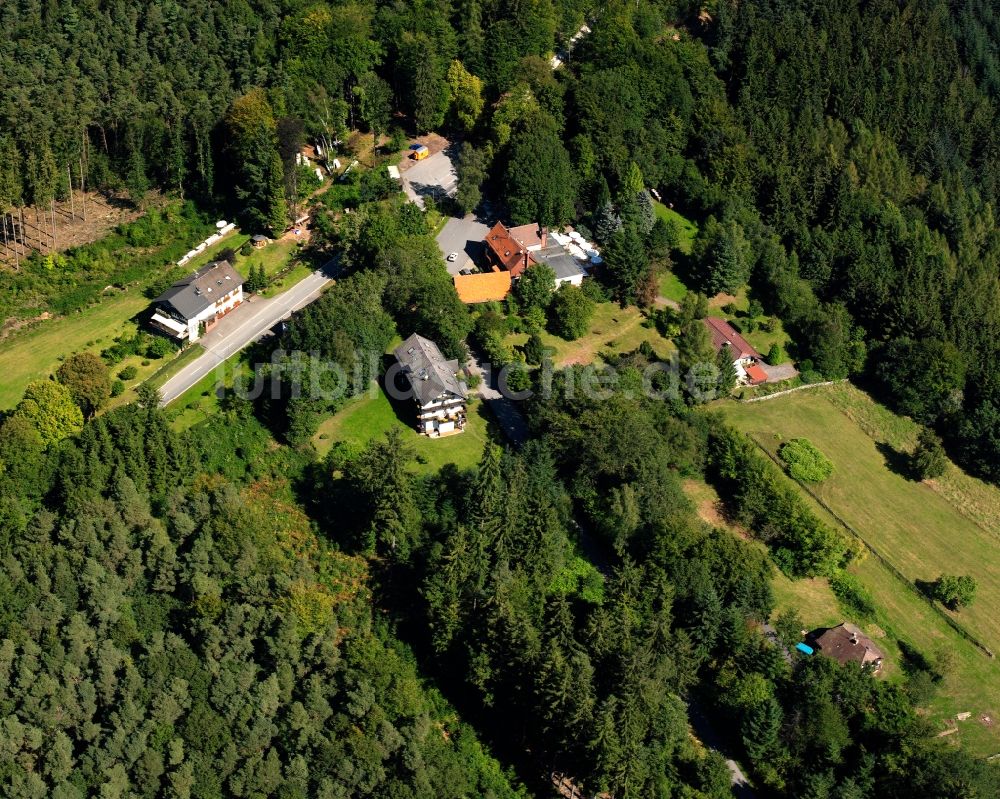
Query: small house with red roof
{"points": [[746, 359]]}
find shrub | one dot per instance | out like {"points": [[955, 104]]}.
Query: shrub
{"points": [[595, 291], [571, 312], [853, 595], [804, 461], [929, 459], [534, 349], [774, 355], [128, 373], [117, 388], [397, 139], [801, 544], [160, 347]]}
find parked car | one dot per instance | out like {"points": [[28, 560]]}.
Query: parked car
{"points": [[452, 256]]}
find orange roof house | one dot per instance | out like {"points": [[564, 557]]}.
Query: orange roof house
{"points": [[532, 237], [755, 373], [745, 358], [485, 287]]}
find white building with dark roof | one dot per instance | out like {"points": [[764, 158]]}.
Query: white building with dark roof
{"points": [[200, 299], [439, 394]]}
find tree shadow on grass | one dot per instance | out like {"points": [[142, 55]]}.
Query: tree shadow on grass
{"points": [[896, 460], [925, 587], [912, 660]]}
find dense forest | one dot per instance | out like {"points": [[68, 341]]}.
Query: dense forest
{"points": [[170, 630], [209, 614]]}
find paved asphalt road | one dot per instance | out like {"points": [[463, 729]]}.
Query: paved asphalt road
{"points": [[241, 327]]}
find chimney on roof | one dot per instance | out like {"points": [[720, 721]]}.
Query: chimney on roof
{"points": [[543, 235], [854, 638]]}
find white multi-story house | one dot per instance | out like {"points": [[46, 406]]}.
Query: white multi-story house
{"points": [[201, 299], [439, 394]]}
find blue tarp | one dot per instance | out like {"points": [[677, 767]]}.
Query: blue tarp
{"points": [[804, 649]]}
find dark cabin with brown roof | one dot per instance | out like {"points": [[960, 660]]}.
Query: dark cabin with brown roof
{"points": [[845, 643]]}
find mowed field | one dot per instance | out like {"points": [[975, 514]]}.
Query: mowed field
{"points": [[922, 529], [36, 352]]}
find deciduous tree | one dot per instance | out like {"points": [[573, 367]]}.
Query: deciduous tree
{"points": [[88, 380], [50, 409]]}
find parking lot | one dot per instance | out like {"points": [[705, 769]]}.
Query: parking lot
{"points": [[464, 236], [433, 177]]}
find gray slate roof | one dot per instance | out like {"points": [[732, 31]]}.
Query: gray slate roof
{"points": [[429, 373], [193, 294], [559, 261]]}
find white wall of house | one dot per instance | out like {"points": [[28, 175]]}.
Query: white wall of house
{"points": [[219, 308], [439, 415], [574, 280]]}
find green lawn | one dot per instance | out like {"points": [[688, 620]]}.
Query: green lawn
{"points": [[297, 272], [36, 353], [196, 404], [919, 529], [172, 367], [612, 329], [760, 339], [977, 500], [234, 241], [688, 229], [274, 257], [671, 287], [372, 415]]}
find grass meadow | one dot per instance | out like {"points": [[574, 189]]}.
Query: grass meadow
{"points": [[922, 529]]}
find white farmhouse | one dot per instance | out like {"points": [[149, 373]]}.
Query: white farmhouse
{"points": [[200, 299], [438, 393]]}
